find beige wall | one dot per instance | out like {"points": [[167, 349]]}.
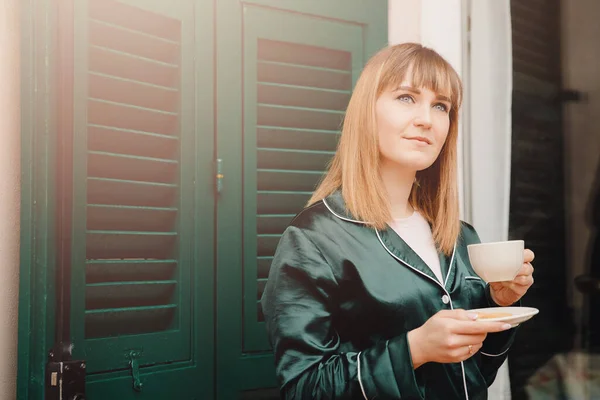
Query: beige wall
{"points": [[9, 193], [404, 21], [438, 24], [580, 60]]}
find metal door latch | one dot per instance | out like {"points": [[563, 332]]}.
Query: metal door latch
{"points": [[219, 175], [65, 380], [135, 369]]}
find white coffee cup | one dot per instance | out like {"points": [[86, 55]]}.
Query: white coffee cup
{"points": [[497, 261]]}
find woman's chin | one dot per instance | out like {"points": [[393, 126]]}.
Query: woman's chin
{"points": [[413, 163]]}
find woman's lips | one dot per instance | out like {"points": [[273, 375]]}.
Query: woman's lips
{"points": [[419, 139]]}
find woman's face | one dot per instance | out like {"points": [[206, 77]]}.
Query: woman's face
{"points": [[413, 125]]}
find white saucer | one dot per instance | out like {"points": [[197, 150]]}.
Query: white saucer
{"points": [[518, 314]]}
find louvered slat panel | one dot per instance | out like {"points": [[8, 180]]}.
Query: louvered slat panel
{"points": [[147, 22], [267, 244], [103, 271], [131, 92], [130, 167], [534, 27], [293, 159], [285, 180], [125, 116], [128, 294], [301, 96], [102, 245], [273, 223], [304, 55], [296, 138], [133, 172], [119, 141], [126, 66], [111, 322], [151, 219], [261, 286], [304, 75], [298, 117], [302, 92], [106, 35], [537, 196], [264, 265], [130, 193], [272, 202]]}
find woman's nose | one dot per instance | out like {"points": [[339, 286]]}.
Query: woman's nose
{"points": [[423, 117]]}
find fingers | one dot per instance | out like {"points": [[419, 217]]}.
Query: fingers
{"points": [[526, 269], [524, 276], [528, 256], [479, 327], [458, 314], [456, 341], [465, 350], [522, 280], [471, 350], [519, 289], [466, 323]]}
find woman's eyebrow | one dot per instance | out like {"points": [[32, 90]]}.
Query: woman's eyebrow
{"points": [[443, 98], [417, 91]]}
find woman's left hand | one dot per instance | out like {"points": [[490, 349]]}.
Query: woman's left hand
{"points": [[507, 293]]}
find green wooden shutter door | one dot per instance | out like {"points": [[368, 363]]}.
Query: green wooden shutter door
{"points": [[299, 63], [142, 231], [298, 76]]}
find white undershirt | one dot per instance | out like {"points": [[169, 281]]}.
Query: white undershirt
{"points": [[416, 232]]}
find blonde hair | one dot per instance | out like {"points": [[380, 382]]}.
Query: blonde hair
{"points": [[355, 166]]}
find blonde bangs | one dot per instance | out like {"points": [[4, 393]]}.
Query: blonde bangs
{"points": [[354, 168], [424, 68]]}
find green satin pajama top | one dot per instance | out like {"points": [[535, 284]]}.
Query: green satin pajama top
{"points": [[341, 298]]}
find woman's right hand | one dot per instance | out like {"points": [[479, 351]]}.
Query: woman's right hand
{"points": [[450, 336]]}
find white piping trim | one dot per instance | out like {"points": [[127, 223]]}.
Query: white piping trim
{"points": [[361, 222], [362, 388], [473, 278], [495, 355], [341, 217], [462, 366], [450, 266], [413, 268]]}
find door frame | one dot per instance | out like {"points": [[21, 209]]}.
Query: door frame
{"points": [[37, 299]]}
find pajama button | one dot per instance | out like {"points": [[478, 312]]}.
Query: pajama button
{"points": [[445, 299]]}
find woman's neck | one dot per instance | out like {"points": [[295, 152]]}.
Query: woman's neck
{"points": [[398, 184]]}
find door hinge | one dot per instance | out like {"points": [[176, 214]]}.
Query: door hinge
{"points": [[65, 380], [135, 369]]}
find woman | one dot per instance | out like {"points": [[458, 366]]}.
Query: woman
{"points": [[368, 289]]}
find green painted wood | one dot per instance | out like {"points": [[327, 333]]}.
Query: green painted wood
{"points": [[38, 148], [183, 345], [254, 148], [93, 330], [230, 203], [299, 62], [142, 185], [310, 41]]}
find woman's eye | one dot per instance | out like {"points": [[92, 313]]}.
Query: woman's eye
{"points": [[406, 98], [441, 107]]}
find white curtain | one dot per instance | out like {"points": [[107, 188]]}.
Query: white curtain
{"points": [[489, 141]]}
